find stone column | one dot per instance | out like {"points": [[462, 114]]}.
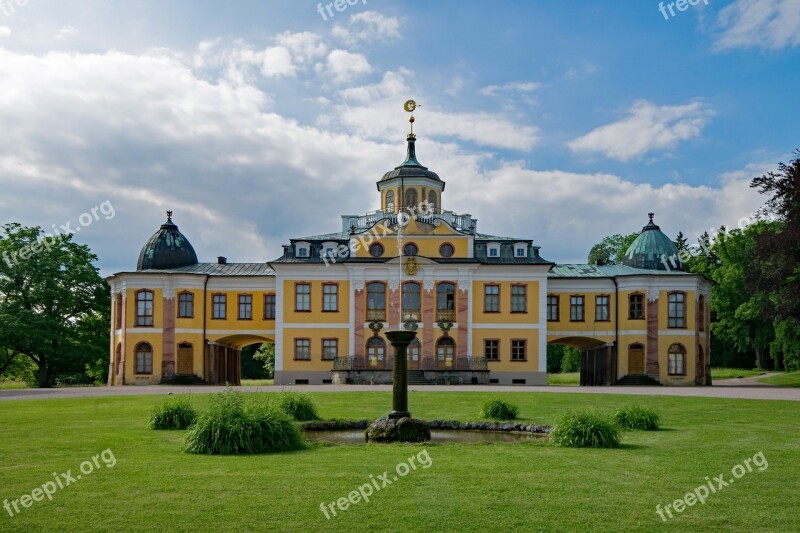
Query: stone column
{"points": [[400, 341]]}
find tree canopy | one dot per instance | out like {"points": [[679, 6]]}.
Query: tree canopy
{"points": [[54, 306], [611, 250]]}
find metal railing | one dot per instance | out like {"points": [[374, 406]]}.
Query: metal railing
{"points": [[451, 364]]}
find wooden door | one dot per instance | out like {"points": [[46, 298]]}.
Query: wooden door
{"points": [[185, 360], [636, 359]]}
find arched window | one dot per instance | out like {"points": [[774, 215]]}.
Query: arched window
{"points": [[410, 249], [411, 301], [376, 301], [447, 250], [411, 198], [676, 360], [143, 355], [445, 301], [376, 350], [390, 201], [445, 349], [432, 201], [144, 308]]}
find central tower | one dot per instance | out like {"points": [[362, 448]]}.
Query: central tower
{"points": [[411, 183]]}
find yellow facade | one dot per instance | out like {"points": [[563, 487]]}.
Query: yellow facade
{"points": [[481, 304]]}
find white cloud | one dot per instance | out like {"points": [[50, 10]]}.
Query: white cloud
{"points": [[368, 26], [5, 31], [766, 24], [517, 86], [277, 62], [67, 31], [392, 85], [646, 128], [346, 66], [304, 47]]}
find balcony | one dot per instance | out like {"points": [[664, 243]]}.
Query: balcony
{"points": [[360, 223], [445, 315]]}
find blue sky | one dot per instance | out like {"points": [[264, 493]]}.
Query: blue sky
{"points": [[259, 121]]}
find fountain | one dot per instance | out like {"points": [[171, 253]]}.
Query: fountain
{"points": [[399, 426]]}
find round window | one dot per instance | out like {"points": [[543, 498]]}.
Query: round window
{"points": [[410, 249], [376, 250], [447, 250]]}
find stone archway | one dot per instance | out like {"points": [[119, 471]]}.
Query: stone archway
{"points": [[598, 359]]}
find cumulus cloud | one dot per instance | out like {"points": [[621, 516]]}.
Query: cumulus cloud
{"points": [[344, 66], [647, 127], [766, 24], [367, 26], [5, 31]]}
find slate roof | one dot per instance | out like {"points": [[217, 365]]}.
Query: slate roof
{"points": [[216, 269], [607, 271]]}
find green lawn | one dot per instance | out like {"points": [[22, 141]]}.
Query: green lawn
{"points": [[730, 373], [789, 379], [258, 382], [568, 378], [13, 385], [468, 487]]}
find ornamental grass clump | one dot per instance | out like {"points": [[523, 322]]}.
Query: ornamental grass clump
{"points": [[173, 414], [637, 417], [585, 429], [231, 427], [297, 405], [499, 410]]}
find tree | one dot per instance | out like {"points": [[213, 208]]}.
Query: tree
{"points": [[52, 301], [775, 269], [611, 250], [266, 354]]}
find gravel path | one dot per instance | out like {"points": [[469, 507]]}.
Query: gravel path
{"points": [[746, 388]]}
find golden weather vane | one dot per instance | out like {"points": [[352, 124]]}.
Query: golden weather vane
{"points": [[410, 106]]}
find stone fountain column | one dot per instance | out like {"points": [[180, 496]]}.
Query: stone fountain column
{"points": [[399, 426], [400, 341]]}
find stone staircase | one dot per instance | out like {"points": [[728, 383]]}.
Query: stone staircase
{"points": [[637, 380], [417, 377]]}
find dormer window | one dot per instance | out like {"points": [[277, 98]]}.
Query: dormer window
{"points": [[520, 249], [493, 249], [302, 249], [329, 250]]}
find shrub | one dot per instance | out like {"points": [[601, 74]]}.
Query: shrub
{"points": [[230, 427], [637, 417], [173, 414], [297, 405], [499, 410], [586, 429]]}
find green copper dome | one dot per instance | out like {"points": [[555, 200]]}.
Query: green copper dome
{"points": [[166, 249], [653, 250]]}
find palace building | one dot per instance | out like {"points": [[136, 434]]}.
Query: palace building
{"points": [[485, 307]]}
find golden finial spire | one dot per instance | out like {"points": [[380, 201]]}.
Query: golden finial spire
{"points": [[410, 106]]}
